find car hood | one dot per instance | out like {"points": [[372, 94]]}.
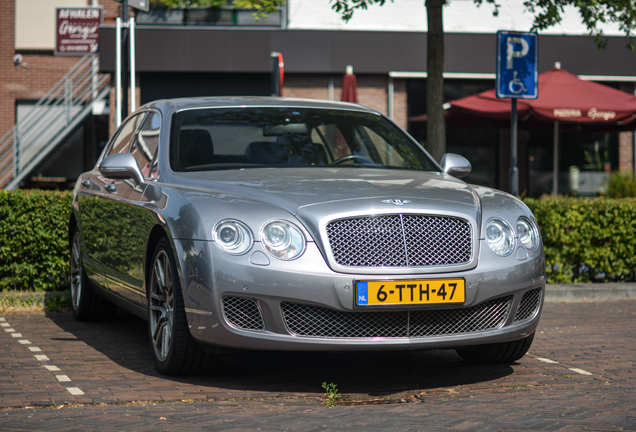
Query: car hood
{"points": [[296, 190]]}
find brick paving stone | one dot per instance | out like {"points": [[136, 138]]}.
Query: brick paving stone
{"points": [[111, 363]]}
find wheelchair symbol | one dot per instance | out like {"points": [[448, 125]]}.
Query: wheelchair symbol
{"points": [[516, 85]]}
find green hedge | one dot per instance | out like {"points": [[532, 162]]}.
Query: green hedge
{"points": [[33, 240], [587, 240]]}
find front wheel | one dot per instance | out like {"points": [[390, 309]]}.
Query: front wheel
{"points": [[503, 352], [175, 351]]}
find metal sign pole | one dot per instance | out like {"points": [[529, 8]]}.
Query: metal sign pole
{"points": [[275, 80], [124, 59], [118, 108], [133, 72], [517, 78], [514, 170]]}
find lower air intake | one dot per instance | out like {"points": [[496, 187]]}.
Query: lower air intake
{"points": [[529, 305], [243, 313], [314, 321]]}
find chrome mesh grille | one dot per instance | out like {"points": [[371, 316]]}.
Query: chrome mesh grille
{"points": [[242, 313], [314, 321], [529, 305], [400, 241]]}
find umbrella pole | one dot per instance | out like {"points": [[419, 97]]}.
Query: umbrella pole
{"points": [[555, 166]]}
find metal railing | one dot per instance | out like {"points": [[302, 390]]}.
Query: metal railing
{"points": [[51, 120]]}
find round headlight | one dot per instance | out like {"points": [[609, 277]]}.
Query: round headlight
{"points": [[282, 240], [527, 233], [232, 237], [500, 237]]}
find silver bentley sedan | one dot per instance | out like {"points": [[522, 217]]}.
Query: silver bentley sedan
{"points": [[291, 224]]}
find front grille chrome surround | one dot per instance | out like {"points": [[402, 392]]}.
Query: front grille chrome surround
{"points": [[243, 313], [400, 240], [319, 322]]}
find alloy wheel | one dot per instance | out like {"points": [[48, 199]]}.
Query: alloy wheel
{"points": [[76, 272], [161, 305]]}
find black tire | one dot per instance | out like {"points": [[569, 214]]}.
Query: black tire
{"points": [[174, 350], [87, 305], [497, 353]]}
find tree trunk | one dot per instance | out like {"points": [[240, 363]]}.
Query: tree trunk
{"points": [[436, 129]]}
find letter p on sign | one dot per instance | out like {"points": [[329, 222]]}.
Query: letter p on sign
{"points": [[511, 53]]}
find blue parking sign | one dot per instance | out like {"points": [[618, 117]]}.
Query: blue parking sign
{"points": [[517, 61]]}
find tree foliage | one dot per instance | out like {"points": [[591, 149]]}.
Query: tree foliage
{"points": [[594, 13]]}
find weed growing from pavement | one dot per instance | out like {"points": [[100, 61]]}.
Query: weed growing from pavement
{"points": [[332, 394]]}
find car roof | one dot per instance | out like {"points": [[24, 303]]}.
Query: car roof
{"points": [[247, 101]]}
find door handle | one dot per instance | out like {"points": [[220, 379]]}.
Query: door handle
{"points": [[86, 183], [111, 187]]}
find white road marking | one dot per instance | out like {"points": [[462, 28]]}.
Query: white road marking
{"points": [[75, 391], [580, 371], [547, 360]]}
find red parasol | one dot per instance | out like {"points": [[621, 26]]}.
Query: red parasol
{"points": [[349, 86], [563, 99]]}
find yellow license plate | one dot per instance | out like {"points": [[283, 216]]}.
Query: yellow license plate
{"points": [[408, 292]]}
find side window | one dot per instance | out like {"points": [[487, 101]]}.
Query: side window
{"points": [[120, 145], [145, 146]]}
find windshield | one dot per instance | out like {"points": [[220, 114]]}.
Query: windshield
{"points": [[224, 138]]}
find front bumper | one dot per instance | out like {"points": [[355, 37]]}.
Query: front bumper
{"points": [[253, 303]]}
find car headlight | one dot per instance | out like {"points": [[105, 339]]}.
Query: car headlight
{"points": [[282, 239], [527, 233], [233, 237], [500, 237]]}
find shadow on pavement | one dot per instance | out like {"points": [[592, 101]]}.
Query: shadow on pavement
{"points": [[125, 342]]}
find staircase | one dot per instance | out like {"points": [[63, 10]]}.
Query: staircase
{"points": [[51, 120]]}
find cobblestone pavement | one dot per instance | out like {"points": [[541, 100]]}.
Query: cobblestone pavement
{"points": [[580, 374]]}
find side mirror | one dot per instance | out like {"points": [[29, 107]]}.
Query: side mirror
{"points": [[456, 165], [121, 166]]}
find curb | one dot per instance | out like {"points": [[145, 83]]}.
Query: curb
{"points": [[578, 292]]}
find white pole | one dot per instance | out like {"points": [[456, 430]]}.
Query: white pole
{"points": [[117, 72], [555, 165], [133, 72], [331, 89], [95, 65]]}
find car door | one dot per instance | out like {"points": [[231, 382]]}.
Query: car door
{"points": [[102, 202], [131, 222]]}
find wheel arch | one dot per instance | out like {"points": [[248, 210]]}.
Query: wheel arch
{"points": [[156, 234], [72, 225]]}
